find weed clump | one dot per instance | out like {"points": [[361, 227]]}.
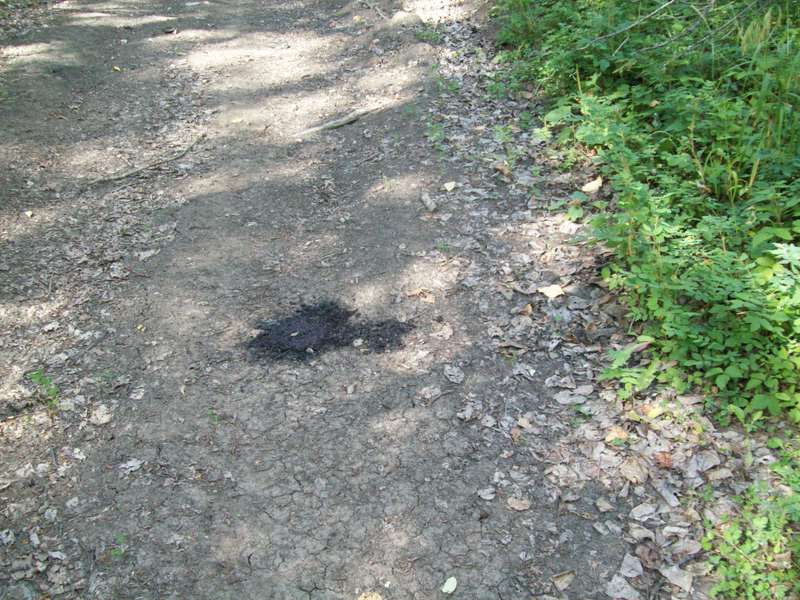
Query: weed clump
{"points": [[692, 110], [46, 390]]}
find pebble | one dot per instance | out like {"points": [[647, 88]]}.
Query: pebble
{"points": [[101, 415], [7, 537], [453, 374]]}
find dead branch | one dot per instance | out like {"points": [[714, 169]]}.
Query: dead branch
{"points": [[148, 166], [336, 123], [636, 23], [376, 8]]}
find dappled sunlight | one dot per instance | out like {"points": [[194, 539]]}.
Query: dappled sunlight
{"points": [[298, 56], [194, 298], [29, 55], [96, 19], [422, 280], [422, 285], [250, 173], [85, 156], [299, 110], [35, 49], [195, 35], [19, 314], [341, 472], [11, 386], [392, 81], [221, 181], [183, 314], [398, 428], [390, 189], [370, 294], [20, 430], [423, 277], [314, 251], [421, 357], [438, 11], [395, 426]]}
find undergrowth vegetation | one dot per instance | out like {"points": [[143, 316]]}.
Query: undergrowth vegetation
{"points": [[755, 552], [6, 6], [692, 109]]}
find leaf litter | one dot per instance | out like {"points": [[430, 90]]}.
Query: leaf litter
{"points": [[651, 452]]}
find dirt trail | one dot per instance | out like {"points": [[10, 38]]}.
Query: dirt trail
{"points": [[175, 463]]}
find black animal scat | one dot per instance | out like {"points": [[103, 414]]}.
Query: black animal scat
{"points": [[313, 329]]}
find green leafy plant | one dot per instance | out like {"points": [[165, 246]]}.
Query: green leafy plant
{"points": [[117, 551], [429, 35], [436, 135], [503, 134], [442, 84], [692, 111], [410, 110], [107, 377], [755, 553], [47, 390]]}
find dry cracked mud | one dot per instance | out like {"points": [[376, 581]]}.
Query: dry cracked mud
{"points": [[171, 463]]}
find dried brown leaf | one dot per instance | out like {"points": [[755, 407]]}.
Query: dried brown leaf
{"points": [[519, 504]]}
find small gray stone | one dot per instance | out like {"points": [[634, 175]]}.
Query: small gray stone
{"points": [[603, 505], [21, 564], [429, 202], [453, 373], [101, 415], [487, 493]]}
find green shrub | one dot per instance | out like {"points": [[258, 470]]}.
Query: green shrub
{"points": [[694, 111], [46, 389], [755, 553]]}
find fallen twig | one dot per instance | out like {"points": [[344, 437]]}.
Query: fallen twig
{"points": [[376, 8], [636, 23], [369, 158], [721, 30], [151, 165], [336, 123], [325, 257]]}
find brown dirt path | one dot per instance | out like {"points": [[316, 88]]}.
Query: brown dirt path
{"points": [[172, 463]]}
